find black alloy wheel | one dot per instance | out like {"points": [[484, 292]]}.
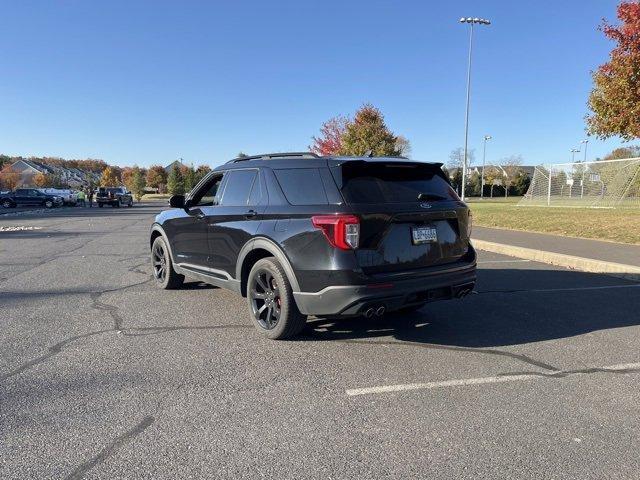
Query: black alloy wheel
{"points": [[159, 261], [265, 299]]}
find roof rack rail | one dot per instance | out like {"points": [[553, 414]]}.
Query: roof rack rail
{"points": [[270, 156]]}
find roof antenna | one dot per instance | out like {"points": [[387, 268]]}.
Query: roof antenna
{"points": [[368, 153]]}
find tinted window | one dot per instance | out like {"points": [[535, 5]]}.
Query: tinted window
{"points": [[388, 183], [256, 192], [208, 196], [21, 191], [238, 186], [302, 186]]}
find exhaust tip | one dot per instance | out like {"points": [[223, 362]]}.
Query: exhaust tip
{"points": [[380, 310], [369, 312]]}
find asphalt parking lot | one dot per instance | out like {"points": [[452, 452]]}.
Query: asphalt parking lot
{"points": [[537, 375]]}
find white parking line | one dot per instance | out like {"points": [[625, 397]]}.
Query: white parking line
{"points": [[486, 380]]}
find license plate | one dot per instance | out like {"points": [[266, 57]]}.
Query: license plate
{"points": [[424, 235]]}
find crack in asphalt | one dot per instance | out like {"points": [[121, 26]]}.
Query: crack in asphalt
{"points": [[111, 448]]}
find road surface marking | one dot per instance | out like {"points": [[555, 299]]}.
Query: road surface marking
{"points": [[464, 382]]}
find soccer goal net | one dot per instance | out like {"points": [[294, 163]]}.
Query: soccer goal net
{"points": [[598, 184]]}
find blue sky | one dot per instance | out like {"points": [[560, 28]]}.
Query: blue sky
{"points": [[148, 82]]}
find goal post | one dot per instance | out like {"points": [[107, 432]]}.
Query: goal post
{"points": [[597, 184]]}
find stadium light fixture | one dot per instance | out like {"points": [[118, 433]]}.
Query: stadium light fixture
{"points": [[573, 153], [471, 22], [586, 143]]}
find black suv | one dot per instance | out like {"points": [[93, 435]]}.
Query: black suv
{"points": [[30, 196], [300, 235]]}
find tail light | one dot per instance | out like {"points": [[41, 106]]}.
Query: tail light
{"points": [[342, 231], [469, 224]]}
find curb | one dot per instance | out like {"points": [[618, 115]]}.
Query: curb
{"points": [[619, 270]]}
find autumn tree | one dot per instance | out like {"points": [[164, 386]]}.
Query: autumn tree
{"points": [[109, 178], [41, 180], [9, 178], [623, 152], [175, 181], [201, 171], [157, 177], [615, 98], [368, 133], [330, 140]]}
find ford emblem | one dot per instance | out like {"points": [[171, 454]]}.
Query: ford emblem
{"points": [[425, 205]]}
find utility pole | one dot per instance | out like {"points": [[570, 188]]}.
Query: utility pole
{"points": [[484, 158]]}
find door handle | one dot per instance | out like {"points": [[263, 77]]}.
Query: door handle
{"points": [[200, 216], [250, 214]]}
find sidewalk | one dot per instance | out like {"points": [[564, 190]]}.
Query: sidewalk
{"points": [[577, 247]]}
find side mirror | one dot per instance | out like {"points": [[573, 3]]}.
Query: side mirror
{"points": [[177, 201]]}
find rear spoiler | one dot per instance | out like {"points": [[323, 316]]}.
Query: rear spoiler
{"points": [[435, 167]]}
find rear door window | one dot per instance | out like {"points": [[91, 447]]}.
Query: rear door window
{"points": [[238, 186], [364, 182], [302, 186]]}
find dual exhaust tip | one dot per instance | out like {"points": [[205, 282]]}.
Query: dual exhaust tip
{"points": [[377, 311]]}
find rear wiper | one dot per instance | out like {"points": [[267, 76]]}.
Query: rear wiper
{"points": [[431, 196]]}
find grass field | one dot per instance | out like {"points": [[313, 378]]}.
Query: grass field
{"points": [[156, 196], [602, 224]]}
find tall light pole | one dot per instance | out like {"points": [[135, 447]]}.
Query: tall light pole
{"points": [[586, 143], [471, 22], [573, 154], [484, 157]]}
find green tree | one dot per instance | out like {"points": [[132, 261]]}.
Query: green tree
{"points": [[175, 181], [190, 179], [615, 98], [138, 183], [368, 133]]}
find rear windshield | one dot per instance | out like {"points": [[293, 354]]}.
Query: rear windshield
{"points": [[113, 190], [394, 183]]}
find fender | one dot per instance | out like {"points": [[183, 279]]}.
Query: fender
{"points": [[157, 228], [274, 249]]}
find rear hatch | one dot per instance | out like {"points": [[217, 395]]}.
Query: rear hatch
{"points": [[411, 218]]}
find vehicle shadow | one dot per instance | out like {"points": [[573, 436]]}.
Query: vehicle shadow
{"points": [[511, 307]]}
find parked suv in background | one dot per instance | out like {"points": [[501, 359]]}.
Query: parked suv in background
{"points": [[29, 196], [114, 196], [297, 235]]}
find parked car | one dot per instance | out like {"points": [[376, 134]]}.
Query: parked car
{"points": [[300, 235], [29, 196], [114, 196], [69, 197]]}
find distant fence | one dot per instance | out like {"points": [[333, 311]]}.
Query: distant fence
{"points": [[599, 184]]}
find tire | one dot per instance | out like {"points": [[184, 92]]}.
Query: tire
{"points": [[7, 204], [164, 275], [130, 204], [272, 307], [100, 205], [48, 204]]}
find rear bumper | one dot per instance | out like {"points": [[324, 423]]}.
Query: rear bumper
{"points": [[347, 300]]}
